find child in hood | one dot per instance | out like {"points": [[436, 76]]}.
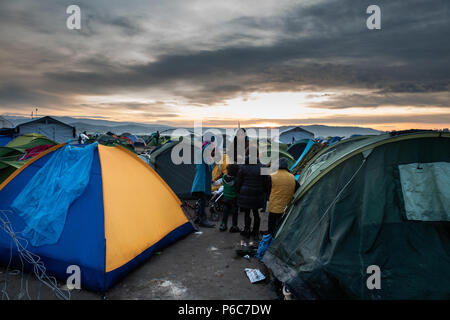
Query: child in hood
{"points": [[230, 196]]}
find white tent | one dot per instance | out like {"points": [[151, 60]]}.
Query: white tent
{"points": [[5, 124], [51, 128], [295, 134]]}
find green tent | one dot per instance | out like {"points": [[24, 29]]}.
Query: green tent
{"points": [[108, 140], [179, 177], [282, 151], [151, 140], [8, 166], [15, 149], [376, 201], [28, 139]]}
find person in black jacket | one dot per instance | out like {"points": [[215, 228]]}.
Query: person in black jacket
{"points": [[252, 189]]}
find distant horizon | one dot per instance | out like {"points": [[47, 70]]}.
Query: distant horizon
{"points": [[261, 123], [24, 118]]}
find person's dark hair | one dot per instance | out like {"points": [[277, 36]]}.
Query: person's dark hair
{"points": [[284, 164], [232, 169]]}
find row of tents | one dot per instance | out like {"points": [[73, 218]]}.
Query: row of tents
{"points": [[180, 176], [363, 201], [81, 193], [137, 144]]}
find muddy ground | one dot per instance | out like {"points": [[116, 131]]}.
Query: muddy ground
{"points": [[199, 266]]}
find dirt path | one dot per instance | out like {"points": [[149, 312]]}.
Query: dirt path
{"points": [[201, 266]]}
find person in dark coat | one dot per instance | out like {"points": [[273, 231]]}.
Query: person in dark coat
{"points": [[252, 190]]}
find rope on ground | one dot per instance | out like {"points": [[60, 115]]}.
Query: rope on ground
{"points": [[25, 256]]}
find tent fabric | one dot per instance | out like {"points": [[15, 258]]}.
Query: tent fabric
{"points": [[143, 204], [7, 152], [178, 176], [22, 143], [44, 201], [308, 157], [338, 146], [333, 140], [4, 140], [307, 147], [34, 151], [87, 250], [7, 167], [5, 124], [13, 152], [296, 149], [25, 139], [349, 213], [140, 142], [131, 137], [112, 140], [125, 214], [426, 190]]}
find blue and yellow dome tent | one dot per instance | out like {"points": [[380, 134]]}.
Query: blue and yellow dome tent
{"points": [[125, 213]]}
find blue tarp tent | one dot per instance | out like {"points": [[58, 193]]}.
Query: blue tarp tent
{"points": [[4, 140], [108, 229]]}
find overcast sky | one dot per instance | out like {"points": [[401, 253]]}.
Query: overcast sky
{"points": [[263, 62]]}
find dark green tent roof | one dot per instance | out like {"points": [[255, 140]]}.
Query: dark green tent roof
{"points": [[381, 201], [15, 149]]}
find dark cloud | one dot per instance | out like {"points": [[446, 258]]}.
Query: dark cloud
{"points": [[20, 95], [128, 26], [373, 100], [319, 46]]}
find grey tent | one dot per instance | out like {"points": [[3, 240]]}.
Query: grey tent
{"points": [[50, 127], [378, 201], [295, 134]]}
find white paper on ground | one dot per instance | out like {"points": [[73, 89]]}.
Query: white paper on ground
{"points": [[254, 275]]}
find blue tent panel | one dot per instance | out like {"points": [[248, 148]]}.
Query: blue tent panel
{"points": [[4, 140], [44, 201], [85, 216], [305, 151]]}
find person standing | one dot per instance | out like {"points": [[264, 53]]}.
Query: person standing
{"points": [[201, 188], [252, 189], [282, 186], [229, 196], [157, 135]]}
